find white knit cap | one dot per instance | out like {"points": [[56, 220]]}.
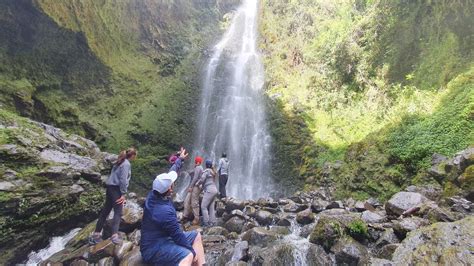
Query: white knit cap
{"points": [[164, 181]]}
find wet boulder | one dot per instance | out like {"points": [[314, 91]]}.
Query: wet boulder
{"points": [[260, 236], [235, 224], [234, 204], [305, 217], [264, 217]]}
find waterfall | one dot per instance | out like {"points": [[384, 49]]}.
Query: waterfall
{"points": [[56, 244], [232, 118]]}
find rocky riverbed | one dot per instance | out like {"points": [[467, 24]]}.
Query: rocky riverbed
{"points": [[310, 229]]}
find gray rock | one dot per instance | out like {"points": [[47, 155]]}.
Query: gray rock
{"points": [[380, 262], [350, 252], [319, 205], [216, 230], [121, 250], [335, 205], [235, 224], [240, 251], [306, 230], [234, 204], [76, 189], [76, 162], [407, 225], [440, 243], [135, 237], [316, 256], [360, 206], [326, 232], [264, 217], [260, 236], [402, 201], [7, 186], [432, 191], [388, 237], [305, 217], [372, 217], [386, 252], [133, 258], [250, 211], [294, 207]]}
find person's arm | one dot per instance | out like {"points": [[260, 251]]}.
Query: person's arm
{"points": [[177, 165], [219, 166], [172, 228], [124, 170]]}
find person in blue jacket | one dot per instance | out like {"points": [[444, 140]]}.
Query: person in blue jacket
{"points": [[163, 242]]}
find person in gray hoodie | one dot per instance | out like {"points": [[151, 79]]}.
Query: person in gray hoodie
{"points": [[223, 170], [209, 188], [117, 185]]}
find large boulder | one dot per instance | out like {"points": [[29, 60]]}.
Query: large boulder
{"points": [[235, 224], [305, 217], [439, 244], [350, 252], [264, 217], [403, 201], [326, 232], [261, 236]]}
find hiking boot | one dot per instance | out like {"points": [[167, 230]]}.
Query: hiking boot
{"points": [[116, 239], [95, 239]]}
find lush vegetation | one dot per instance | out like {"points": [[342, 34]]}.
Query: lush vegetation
{"points": [[379, 86], [122, 73]]}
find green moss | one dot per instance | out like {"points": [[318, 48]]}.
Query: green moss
{"points": [[358, 229]]}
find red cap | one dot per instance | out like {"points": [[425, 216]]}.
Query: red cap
{"points": [[198, 160]]}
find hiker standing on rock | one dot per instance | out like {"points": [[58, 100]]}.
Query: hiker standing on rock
{"points": [[191, 203], [208, 182], [117, 185], [223, 170], [163, 242]]}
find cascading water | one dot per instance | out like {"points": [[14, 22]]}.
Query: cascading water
{"points": [[232, 115], [56, 244]]}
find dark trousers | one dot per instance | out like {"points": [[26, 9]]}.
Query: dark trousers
{"points": [[222, 184], [112, 194]]}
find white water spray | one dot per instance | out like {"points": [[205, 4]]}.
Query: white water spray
{"points": [[56, 244], [232, 114]]}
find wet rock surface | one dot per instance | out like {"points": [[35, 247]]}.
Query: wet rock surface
{"points": [[48, 178]]}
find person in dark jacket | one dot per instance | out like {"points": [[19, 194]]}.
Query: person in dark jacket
{"points": [[162, 241], [117, 185]]}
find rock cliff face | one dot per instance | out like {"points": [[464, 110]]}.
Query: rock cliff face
{"points": [[50, 181], [117, 72]]}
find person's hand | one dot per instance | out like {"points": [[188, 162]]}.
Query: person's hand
{"points": [[121, 200], [183, 154], [190, 190]]}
